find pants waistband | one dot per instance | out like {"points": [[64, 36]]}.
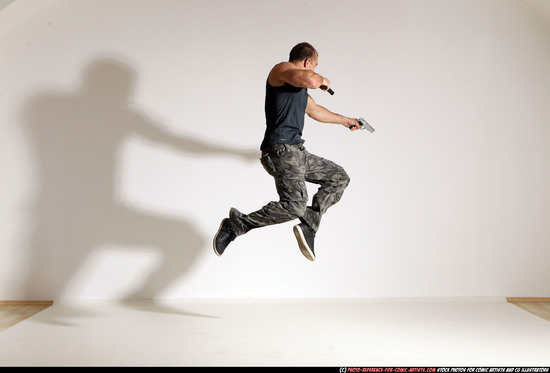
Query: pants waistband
{"points": [[277, 147]]}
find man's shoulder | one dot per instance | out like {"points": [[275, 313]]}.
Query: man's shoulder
{"points": [[274, 77], [283, 65]]}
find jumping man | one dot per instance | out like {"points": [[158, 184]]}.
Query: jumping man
{"points": [[286, 159]]}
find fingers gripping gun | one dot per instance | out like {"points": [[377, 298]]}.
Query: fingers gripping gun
{"points": [[364, 125]]}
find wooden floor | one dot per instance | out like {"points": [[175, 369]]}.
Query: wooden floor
{"points": [[13, 312], [537, 306]]}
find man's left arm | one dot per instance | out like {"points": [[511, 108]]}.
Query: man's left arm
{"points": [[323, 115]]}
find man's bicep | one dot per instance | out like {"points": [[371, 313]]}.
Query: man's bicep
{"points": [[286, 72], [311, 106], [298, 78]]}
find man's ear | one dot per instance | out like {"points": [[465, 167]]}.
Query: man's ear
{"points": [[306, 62]]}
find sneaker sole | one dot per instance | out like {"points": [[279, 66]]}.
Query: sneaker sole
{"points": [[215, 237], [304, 248]]}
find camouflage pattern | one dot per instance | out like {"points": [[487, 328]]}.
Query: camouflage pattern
{"points": [[292, 166]]}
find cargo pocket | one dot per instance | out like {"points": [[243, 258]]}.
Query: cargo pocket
{"points": [[267, 163]]}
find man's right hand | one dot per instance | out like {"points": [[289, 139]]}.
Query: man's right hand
{"points": [[325, 85]]}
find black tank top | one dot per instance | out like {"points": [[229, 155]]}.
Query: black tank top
{"points": [[285, 109]]}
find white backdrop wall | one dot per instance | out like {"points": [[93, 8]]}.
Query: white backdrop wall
{"points": [[128, 128]]}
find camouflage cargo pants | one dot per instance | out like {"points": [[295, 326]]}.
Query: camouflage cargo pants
{"points": [[292, 166]]}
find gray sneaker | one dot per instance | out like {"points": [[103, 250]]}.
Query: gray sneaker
{"points": [[306, 237]]}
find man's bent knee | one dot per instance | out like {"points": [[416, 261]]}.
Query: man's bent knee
{"points": [[343, 180], [295, 209]]}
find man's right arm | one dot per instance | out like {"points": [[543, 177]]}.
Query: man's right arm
{"points": [[285, 72]]}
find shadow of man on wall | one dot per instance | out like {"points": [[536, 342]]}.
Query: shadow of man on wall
{"points": [[75, 139]]}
